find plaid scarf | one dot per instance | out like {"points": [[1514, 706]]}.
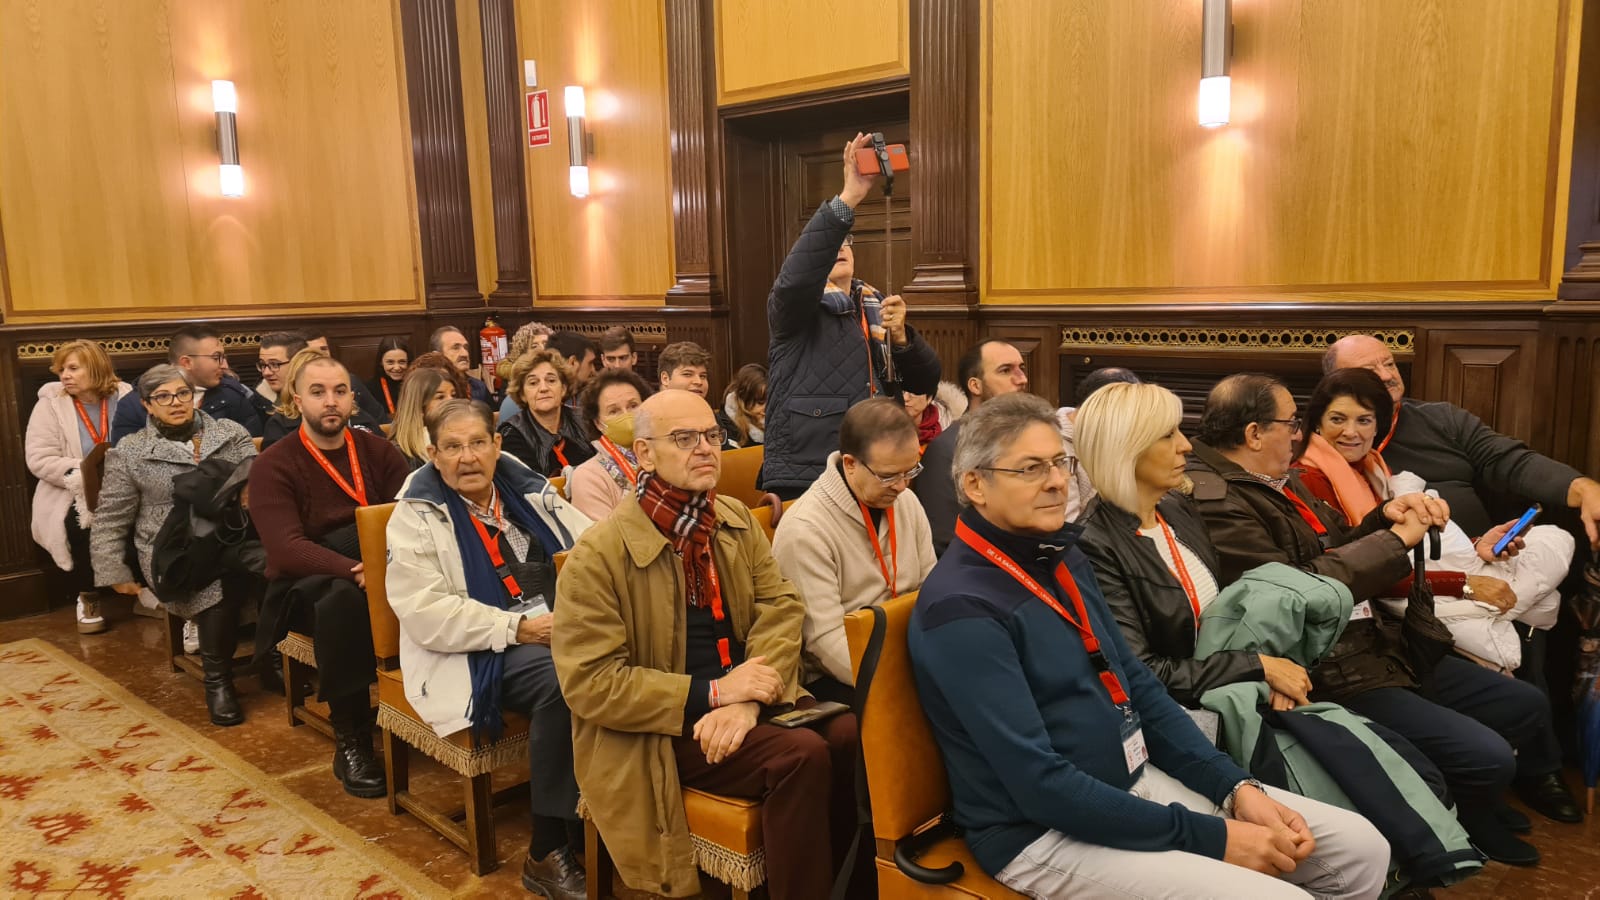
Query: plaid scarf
{"points": [[687, 520]]}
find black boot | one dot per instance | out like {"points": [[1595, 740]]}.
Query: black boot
{"points": [[219, 638], [353, 760], [269, 671]]}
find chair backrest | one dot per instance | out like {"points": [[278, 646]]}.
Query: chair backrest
{"points": [[905, 774], [763, 517], [387, 428], [559, 482], [372, 526], [257, 442], [740, 468]]}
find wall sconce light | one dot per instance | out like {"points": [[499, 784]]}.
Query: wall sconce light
{"points": [[230, 175], [577, 142], [1216, 49]]}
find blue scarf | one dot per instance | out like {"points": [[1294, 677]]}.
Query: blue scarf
{"points": [[484, 585]]}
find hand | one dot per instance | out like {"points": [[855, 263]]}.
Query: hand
{"points": [[1584, 496], [1279, 702], [1492, 591], [1251, 804], [535, 630], [126, 588], [1258, 848], [1431, 510], [1410, 530], [1286, 677], [751, 680], [359, 573], [721, 732], [856, 184], [893, 318], [776, 503], [1485, 544]]}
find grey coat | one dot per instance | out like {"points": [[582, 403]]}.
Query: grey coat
{"points": [[136, 495]]}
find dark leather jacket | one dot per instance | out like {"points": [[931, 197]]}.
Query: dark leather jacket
{"points": [[1251, 523], [1149, 603], [527, 440]]}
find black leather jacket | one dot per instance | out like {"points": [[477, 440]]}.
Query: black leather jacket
{"points": [[527, 440]]}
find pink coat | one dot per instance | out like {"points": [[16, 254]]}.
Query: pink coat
{"points": [[52, 449]]}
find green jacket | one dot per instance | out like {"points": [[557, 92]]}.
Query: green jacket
{"points": [[1300, 616]]}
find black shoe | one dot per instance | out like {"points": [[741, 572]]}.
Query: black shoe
{"points": [[1511, 819], [1548, 795], [1495, 841], [218, 630], [269, 671], [221, 701], [355, 765], [558, 876]]}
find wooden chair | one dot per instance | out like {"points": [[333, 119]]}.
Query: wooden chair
{"points": [[257, 442], [560, 484], [472, 826], [905, 775], [299, 666], [740, 469], [387, 428]]}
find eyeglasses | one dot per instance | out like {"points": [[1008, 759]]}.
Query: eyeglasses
{"points": [[1294, 422], [478, 448], [271, 365], [219, 357], [892, 480], [1035, 472], [169, 398], [688, 440]]}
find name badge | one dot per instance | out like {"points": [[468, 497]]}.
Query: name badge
{"points": [[1134, 750], [1362, 610], [533, 607]]}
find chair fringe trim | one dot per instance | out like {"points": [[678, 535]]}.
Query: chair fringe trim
{"points": [[298, 649], [737, 870], [458, 759]]}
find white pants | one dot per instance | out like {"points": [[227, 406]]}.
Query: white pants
{"points": [[1351, 859]]}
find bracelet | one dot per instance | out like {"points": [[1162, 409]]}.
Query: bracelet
{"points": [[716, 694], [1227, 804]]}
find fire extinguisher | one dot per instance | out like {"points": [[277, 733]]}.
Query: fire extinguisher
{"points": [[492, 346]]}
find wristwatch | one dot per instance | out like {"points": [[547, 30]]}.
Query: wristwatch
{"points": [[1467, 592], [1227, 804]]}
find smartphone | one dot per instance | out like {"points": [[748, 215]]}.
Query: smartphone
{"points": [[795, 718], [867, 162], [1517, 529]]}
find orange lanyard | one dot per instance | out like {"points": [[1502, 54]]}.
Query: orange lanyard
{"points": [[98, 436], [1393, 427], [1181, 570], [388, 398], [358, 493], [1305, 512], [724, 652], [1085, 628], [557, 450], [866, 339], [894, 553], [493, 546], [627, 468]]}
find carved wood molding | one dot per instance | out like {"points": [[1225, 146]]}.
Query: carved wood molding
{"points": [[696, 154], [502, 79], [1400, 341], [944, 147], [439, 153]]}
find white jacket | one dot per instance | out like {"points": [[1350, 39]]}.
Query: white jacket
{"points": [[427, 586], [52, 450]]}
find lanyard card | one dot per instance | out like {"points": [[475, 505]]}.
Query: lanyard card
{"points": [[532, 607], [1134, 750]]}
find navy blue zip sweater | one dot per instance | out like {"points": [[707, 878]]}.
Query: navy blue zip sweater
{"points": [[1030, 737]]}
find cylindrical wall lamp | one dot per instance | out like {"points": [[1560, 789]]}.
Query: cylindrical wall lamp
{"points": [[230, 175], [1216, 49], [577, 142]]}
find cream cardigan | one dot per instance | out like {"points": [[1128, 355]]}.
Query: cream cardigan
{"points": [[53, 453]]}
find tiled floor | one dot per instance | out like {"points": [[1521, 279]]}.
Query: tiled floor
{"points": [[133, 652]]}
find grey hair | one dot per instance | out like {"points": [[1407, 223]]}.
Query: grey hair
{"points": [[451, 410], [158, 375], [989, 431]]}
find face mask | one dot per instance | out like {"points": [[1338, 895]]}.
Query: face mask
{"points": [[619, 430]]}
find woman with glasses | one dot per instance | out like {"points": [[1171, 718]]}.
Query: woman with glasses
{"points": [[394, 356], [286, 420], [598, 486], [543, 433], [136, 496]]}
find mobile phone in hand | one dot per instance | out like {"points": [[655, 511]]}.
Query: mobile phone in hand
{"points": [[1516, 530]]}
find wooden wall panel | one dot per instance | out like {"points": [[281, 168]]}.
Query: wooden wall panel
{"points": [[1378, 148], [769, 49], [1488, 372], [614, 246], [474, 105]]}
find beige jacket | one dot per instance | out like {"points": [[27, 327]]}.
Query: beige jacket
{"points": [[618, 644], [822, 545], [53, 453]]}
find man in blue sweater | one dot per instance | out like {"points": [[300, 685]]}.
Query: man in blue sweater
{"points": [[1071, 769]]}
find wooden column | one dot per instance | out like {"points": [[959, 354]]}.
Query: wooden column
{"points": [[439, 152], [502, 80], [22, 582]]}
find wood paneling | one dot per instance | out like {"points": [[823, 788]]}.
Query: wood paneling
{"points": [[1487, 371], [508, 136], [469, 31], [108, 161], [771, 49], [944, 129], [1395, 148], [618, 240]]}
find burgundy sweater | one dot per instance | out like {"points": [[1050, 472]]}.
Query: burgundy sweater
{"points": [[294, 503]]}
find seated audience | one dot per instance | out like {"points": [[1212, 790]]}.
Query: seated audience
{"points": [[530, 337], [471, 577], [286, 420], [618, 349], [394, 356], [578, 351], [272, 356], [304, 493], [365, 399], [197, 350], [839, 569], [744, 406], [544, 434], [665, 697], [449, 340], [600, 483], [136, 496], [1082, 487], [421, 392], [933, 414], [72, 417], [835, 341], [442, 364], [990, 368], [1072, 771], [1463, 717]]}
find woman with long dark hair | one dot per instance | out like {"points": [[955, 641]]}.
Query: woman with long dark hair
{"points": [[394, 355]]}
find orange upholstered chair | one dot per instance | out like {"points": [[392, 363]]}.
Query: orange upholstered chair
{"points": [[740, 468], [905, 774]]}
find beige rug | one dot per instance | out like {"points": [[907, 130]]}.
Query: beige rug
{"points": [[101, 795]]}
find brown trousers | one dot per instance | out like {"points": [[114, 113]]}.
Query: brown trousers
{"points": [[805, 780]]}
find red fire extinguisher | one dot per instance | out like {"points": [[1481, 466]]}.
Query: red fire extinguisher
{"points": [[492, 346]]}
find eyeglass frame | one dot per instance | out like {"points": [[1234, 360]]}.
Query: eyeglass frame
{"points": [[890, 481], [220, 357], [455, 451], [270, 365], [1066, 465], [677, 437], [1295, 423], [173, 397]]}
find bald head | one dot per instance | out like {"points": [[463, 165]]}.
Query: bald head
{"points": [[660, 422], [1363, 351]]}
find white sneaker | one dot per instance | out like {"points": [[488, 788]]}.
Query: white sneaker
{"points": [[191, 637], [89, 619]]}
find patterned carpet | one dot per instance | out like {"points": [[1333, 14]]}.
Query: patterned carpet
{"points": [[101, 795]]}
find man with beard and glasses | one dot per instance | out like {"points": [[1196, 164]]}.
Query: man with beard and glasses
{"points": [[198, 351], [304, 492]]}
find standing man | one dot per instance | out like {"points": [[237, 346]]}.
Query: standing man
{"points": [[835, 342], [197, 350], [449, 340]]}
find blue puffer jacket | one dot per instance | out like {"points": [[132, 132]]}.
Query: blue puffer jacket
{"points": [[817, 361]]}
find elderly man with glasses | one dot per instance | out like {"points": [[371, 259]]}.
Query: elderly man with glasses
{"points": [[675, 637], [856, 538]]}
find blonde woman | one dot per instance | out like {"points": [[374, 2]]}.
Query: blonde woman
{"points": [[286, 420], [420, 392]]}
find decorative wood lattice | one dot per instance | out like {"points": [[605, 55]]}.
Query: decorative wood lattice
{"points": [[1258, 340], [36, 350]]}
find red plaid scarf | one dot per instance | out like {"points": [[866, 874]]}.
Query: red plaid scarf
{"points": [[687, 520]]}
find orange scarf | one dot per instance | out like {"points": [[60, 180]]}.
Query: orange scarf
{"points": [[1360, 486]]}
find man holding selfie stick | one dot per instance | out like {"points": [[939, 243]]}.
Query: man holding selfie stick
{"points": [[835, 341]]}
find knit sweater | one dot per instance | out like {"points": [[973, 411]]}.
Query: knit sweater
{"points": [[294, 503], [822, 545]]}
